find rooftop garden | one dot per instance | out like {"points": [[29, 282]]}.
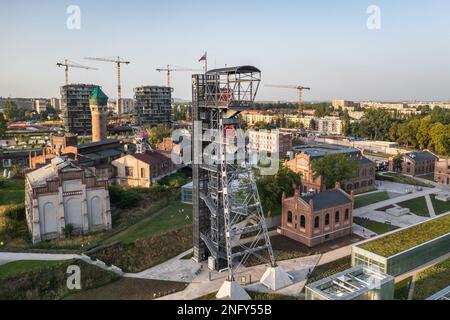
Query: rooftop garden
{"points": [[402, 240], [432, 280]]}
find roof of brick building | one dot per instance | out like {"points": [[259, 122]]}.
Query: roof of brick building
{"points": [[328, 199]]}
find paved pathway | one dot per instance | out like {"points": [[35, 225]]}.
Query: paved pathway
{"points": [[430, 206]]}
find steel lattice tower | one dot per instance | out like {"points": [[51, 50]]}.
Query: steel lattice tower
{"points": [[226, 202]]}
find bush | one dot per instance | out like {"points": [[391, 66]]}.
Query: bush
{"points": [[124, 198], [12, 218], [68, 230]]}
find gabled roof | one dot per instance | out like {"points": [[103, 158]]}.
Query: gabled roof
{"points": [[152, 158], [328, 199], [421, 156], [40, 176]]}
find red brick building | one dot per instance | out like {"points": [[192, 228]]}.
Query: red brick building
{"points": [[415, 163], [317, 218], [442, 171], [302, 163]]}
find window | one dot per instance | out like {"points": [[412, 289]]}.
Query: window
{"points": [[302, 222], [128, 171], [327, 219], [289, 217], [317, 223], [347, 214], [142, 173], [337, 217]]}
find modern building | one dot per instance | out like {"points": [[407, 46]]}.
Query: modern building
{"points": [[443, 295], [98, 104], [272, 142], [76, 113], [54, 103], [329, 125], [302, 163], [62, 194], [318, 217], [357, 283], [153, 105], [186, 193], [415, 163], [344, 104], [128, 106], [401, 251], [143, 169], [40, 105], [442, 171]]}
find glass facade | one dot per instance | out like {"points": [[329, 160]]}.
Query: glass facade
{"points": [[186, 193]]}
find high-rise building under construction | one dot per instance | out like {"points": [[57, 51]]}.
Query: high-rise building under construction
{"points": [[153, 105], [76, 112]]}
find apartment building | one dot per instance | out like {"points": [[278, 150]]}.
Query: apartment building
{"points": [[271, 142], [153, 105]]}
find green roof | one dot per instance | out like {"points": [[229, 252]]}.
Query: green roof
{"points": [[98, 97], [406, 239]]}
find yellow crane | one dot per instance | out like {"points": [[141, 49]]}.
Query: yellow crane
{"points": [[299, 94], [117, 61], [169, 71], [70, 64]]}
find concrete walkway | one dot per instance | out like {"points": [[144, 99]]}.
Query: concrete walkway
{"points": [[430, 206], [6, 257]]}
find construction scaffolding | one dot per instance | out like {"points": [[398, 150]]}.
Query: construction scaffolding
{"points": [[226, 203]]}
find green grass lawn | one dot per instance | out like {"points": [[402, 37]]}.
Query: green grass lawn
{"points": [[417, 206], [439, 206], [402, 289], [375, 226], [429, 177], [368, 199], [170, 218], [17, 267], [328, 269], [394, 177], [12, 192], [408, 238], [432, 280]]}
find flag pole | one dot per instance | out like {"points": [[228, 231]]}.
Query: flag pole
{"points": [[206, 62]]}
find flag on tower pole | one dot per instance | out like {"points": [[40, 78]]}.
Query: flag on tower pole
{"points": [[204, 58]]}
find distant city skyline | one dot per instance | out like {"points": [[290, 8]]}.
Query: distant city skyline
{"points": [[324, 45]]}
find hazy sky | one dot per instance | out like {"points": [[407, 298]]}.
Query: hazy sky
{"points": [[322, 44]]}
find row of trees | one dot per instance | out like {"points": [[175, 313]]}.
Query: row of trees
{"points": [[429, 131], [11, 113]]}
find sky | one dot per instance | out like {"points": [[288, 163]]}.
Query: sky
{"points": [[322, 44]]}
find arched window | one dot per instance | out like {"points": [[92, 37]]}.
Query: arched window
{"points": [[327, 219], [347, 214], [302, 222], [289, 217], [317, 223], [337, 217]]}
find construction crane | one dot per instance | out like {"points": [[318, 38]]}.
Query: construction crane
{"points": [[118, 62], [170, 70], [70, 64], [299, 93]]}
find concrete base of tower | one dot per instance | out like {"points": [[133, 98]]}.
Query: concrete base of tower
{"points": [[231, 290], [275, 278]]}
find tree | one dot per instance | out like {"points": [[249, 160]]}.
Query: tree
{"points": [[3, 125], [407, 133], [376, 124], [158, 133], [423, 133], [334, 168], [12, 112], [398, 163], [271, 188], [440, 139], [346, 123]]}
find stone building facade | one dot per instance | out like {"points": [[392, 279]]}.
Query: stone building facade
{"points": [[317, 218], [62, 193]]}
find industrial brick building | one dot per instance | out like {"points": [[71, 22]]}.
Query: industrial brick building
{"points": [[318, 217], [415, 163], [62, 193], [153, 105], [442, 171], [302, 163], [76, 113]]}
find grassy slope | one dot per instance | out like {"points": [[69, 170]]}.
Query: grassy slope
{"points": [[18, 267], [432, 280], [417, 206], [375, 226], [439, 206], [328, 269], [402, 289], [170, 218], [408, 238], [369, 199], [13, 192]]}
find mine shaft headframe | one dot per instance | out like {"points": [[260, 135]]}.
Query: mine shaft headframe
{"points": [[232, 86]]}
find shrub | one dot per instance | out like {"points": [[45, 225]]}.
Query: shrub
{"points": [[124, 198], [68, 230]]}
